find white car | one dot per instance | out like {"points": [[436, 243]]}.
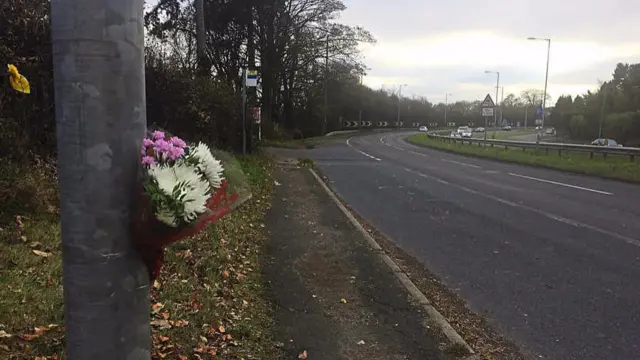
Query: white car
{"points": [[465, 131], [423, 129]]}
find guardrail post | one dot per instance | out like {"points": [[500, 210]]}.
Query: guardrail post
{"points": [[546, 151], [591, 155], [604, 155], [632, 158], [560, 152]]}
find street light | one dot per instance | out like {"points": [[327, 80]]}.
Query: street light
{"points": [[495, 113], [546, 76], [399, 95], [446, 104]]}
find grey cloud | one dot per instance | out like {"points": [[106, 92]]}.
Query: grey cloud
{"points": [[613, 21]]}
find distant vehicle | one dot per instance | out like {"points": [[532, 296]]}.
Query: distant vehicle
{"points": [[480, 130], [465, 131], [506, 128], [455, 134], [423, 129], [538, 127], [550, 131], [605, 142]]}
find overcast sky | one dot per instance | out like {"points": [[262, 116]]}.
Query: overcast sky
{"points": [[438, 47]]}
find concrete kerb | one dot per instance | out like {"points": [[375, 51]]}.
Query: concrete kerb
{"points": [[411, 288]]}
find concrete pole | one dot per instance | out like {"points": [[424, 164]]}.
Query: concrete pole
{"points": [[98, 58], [546, 80]]}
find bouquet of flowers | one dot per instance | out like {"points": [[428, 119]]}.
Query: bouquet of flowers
{"points": [[183, 189]]}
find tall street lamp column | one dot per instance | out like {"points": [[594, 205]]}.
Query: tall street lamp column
{"points": [[495, 113], [446, 105], [546, 77], [399, 96]]}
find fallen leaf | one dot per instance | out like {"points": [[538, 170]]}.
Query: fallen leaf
{"points": [[225, 274], [361, 342], [178, 323], [156, 284], [161, 324], [303, 355], [156, 307], [3, 334], [41, 253], [343, 300], [182, 357], [221, 329], [163, 339]]}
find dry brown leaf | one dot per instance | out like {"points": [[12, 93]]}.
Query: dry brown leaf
{"points": [[41, 253], [4, 334], [163, 339], [161, 324], [225, 274], [156, 284], [157, 307], [303, 355], [179, 323], [182, 357], [221, 329]]}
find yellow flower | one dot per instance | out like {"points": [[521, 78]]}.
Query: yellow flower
{"points": [[18, 82]]}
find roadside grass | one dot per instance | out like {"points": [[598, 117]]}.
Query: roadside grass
{"points": [[209, 298], [614, 167]]}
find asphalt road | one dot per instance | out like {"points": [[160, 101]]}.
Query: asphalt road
{"points": [[551, 259]]}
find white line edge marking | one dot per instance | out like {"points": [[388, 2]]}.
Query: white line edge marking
{"points": [[417, 153], [551, 216], [362, 152], [461, 163], [561, 184]]}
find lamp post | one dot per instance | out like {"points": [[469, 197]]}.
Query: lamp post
{"points": [[399, 96], [446, 105], [546, 77], [495, 113]]}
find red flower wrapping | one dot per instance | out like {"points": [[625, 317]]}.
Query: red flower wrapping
{"points": [[151, 236]]}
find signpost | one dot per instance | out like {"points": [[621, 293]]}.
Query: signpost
{"points": [[488, 108]]}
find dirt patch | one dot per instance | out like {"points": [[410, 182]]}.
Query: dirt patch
{"points": [[333, 297]]}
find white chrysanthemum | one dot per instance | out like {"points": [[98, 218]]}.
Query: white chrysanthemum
{"points": [[193, 192], [208, 165]]}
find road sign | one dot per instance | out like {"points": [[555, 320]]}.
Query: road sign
{"points": [[539, 110], [252, 78], [362, 123], [486, 111], [368, 123], [488, 102]]}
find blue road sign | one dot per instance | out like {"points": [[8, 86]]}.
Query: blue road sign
{"points": [[539, 110]]}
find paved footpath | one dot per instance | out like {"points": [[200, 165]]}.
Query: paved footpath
{"points": [[316, 258]]}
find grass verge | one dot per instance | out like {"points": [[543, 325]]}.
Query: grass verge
{"points": [[614, 167], [208, 300]]}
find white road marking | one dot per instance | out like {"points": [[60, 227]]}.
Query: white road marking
{"points": [[461, 163], [561, 184], [551, 216], [362, 152], [417, 153]]}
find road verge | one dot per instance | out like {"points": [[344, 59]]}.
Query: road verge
{"points": [[611, 168]]}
